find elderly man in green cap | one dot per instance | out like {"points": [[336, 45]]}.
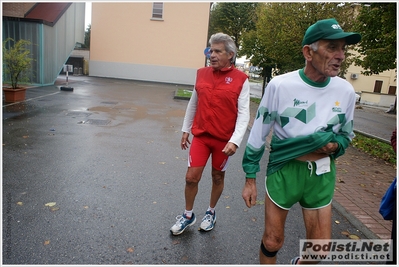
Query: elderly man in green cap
{"points": [[311, 113]]}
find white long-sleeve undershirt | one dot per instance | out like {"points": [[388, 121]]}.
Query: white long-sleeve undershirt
{"points": [[242, 114]]}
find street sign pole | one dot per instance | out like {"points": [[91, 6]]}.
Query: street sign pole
{"points": [[67, 68]]}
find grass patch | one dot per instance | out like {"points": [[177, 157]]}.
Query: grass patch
{"points": [[255, 80], [374, 148], [183, 93], [255, 100]]}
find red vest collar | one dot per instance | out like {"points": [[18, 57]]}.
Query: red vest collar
{"points": [[226, 69]]}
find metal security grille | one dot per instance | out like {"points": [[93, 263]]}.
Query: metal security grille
{"points": [[157, 10]]}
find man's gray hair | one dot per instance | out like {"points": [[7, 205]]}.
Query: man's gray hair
{"points": [[228, 42], [314, 46]]}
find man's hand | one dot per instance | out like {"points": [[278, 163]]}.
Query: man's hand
{"points": [[230, 149], [249, 192], [328, 149], [184, 141]]}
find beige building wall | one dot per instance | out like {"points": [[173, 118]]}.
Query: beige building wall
{"points": [[127, 43], [364, 85]]}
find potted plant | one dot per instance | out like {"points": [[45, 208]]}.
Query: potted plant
{"points": [[16, 63]]}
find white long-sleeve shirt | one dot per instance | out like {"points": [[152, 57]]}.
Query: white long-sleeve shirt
{"points": [[242, 116]]}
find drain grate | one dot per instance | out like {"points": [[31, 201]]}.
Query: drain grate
{"points": [[97, 122]]}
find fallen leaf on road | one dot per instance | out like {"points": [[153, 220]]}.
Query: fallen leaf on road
{"points": [[50, 204], [227, 207], [54, 208], [46, 242], [19, 203], [353, 237], [345, 233], [130, 250]]}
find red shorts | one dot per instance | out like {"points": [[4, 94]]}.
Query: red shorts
{"points": [[202, 147]]}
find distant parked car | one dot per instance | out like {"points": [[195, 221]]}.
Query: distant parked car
{"points": [[357, 98]]}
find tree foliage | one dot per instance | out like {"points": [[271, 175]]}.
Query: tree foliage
{"points": [[376, 23], [16, 61], [275, 43], [232, 18], [87, 36]]}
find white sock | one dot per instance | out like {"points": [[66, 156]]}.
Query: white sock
{"points": [[211, 209], [188, 213]]}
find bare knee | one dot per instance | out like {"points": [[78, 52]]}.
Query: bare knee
{"points": [[217, 177], [272, 242], [191, 180], [193, 176]]}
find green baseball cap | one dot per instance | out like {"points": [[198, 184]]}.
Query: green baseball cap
{"points": [[329, 29]]}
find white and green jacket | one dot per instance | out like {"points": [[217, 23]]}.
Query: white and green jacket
{"points": [[304, 115]]}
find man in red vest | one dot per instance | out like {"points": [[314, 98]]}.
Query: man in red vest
{"points": [[217, 116]]}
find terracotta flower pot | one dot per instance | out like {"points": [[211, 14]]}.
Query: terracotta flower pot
{"points": [[14, 95]]}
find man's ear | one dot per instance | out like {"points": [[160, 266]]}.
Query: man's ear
{"points": [[231, 54], [307, 52]]}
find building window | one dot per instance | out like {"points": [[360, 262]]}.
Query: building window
{"points": [[392, 90], [377, 86], [157, 10]]}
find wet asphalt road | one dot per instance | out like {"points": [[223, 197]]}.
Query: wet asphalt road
{"points": [[108, 155]]}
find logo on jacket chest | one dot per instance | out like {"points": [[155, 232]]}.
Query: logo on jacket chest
{"points": [[337, 107], [228, 80]]}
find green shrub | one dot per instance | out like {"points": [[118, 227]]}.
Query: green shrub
{"points": [[16, 61]]}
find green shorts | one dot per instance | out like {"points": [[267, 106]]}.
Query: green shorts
{"points": [[297, 181]]}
